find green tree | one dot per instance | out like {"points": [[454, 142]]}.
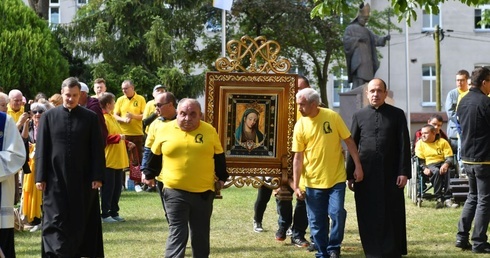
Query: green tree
{"points": [[310, 43], [404, 9], [31, 59], [148, 41]]}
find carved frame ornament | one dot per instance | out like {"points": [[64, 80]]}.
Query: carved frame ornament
{"points": [[258, 151]]}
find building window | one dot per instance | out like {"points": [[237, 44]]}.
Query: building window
{"points": [[429, 20], [428, 85], [340, 84], [54, 15], [478, 17], [54, 11], [82, 2]]}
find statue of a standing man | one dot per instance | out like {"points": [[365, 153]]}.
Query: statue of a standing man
{"points": [[360, 48]]}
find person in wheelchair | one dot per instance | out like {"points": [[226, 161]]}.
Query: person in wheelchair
{"points": [[435, 157], [436, 121]]}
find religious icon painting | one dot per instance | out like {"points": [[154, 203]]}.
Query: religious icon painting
{"points": [[251, 126]]}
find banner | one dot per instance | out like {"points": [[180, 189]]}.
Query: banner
{"points": [[223, 4]]}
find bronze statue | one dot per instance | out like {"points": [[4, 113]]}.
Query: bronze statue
{"points": [[360, 48]]}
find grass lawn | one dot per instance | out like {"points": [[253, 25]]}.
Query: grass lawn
{"points": [[431, 232]]}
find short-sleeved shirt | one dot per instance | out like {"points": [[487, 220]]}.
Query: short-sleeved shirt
{"points": [[319, 138], [116, 155], [433, 152], [187, 157], [135, 105], [15, 114], [150, 138]]}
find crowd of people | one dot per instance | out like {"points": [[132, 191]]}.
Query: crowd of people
{"points": [[72, 147], [59, 170]]}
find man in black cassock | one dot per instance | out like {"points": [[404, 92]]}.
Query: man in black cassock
{"points": [[69, 164], [381, 134]]}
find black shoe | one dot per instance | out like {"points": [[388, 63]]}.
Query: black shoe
{"points": [[484, 249], [151, 189], [312, 247], [281, 234], [300, 242], [463, 244]]}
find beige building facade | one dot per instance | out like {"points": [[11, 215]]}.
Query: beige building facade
{"points": [[465, 45]]}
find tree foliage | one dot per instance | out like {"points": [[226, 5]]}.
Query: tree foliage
{"points": [[310, 43], [148, 41], [404, 9], [31, 59]]}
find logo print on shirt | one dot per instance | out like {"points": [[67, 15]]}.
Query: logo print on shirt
{"points": [[198, 138], [439, 151], [326, 127], [135, 103]]}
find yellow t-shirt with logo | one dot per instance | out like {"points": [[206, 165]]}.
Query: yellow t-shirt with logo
{"points": [[319, 138], [150, 138], [135, 105], [116, 155], [433, 152], [187, 157]]}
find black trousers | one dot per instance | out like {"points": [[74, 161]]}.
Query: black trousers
{"points": [[263, 196], [110, 192], [7, 242], [298, 219], [477, 206]]}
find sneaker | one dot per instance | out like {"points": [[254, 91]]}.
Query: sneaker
{"points": [[334, 255], [151, 189], [138, 188], [281, 234], [312, 247], [439, 204], [118, 219], [450, 204], [289, 232], [463, 244], [35, 228], [258, 227], [109, 220], [300, 242]]}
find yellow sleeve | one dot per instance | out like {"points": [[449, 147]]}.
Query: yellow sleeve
{"points": [[418, 150]]}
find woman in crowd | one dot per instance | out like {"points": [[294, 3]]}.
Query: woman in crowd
{"points": [[31, 197], [116, 160], [56, 99]]}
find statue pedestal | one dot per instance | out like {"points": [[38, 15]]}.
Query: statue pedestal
{"points": [[354, 100]]}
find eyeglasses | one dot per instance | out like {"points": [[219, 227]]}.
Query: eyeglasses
{"points": [[159, 105], [40, 111]]}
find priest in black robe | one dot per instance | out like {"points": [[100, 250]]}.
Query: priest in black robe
{"points": [[69, 164], [381, 134]]}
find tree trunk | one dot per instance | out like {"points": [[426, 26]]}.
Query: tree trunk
{"points": [[40, 7]]}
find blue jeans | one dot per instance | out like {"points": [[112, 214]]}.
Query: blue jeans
{"points": [[477, 205], [322, 204]]}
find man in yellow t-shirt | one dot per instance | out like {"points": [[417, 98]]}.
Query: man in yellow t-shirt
{"points": [[165, 104], [16, 108], [150, 113], [129, 113], [318, 155], [435, 156], [192, 157]]}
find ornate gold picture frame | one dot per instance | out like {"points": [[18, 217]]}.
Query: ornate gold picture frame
{"points": [[264, 106]]}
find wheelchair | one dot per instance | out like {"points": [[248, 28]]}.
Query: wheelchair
{"points": [[420, 184]]}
